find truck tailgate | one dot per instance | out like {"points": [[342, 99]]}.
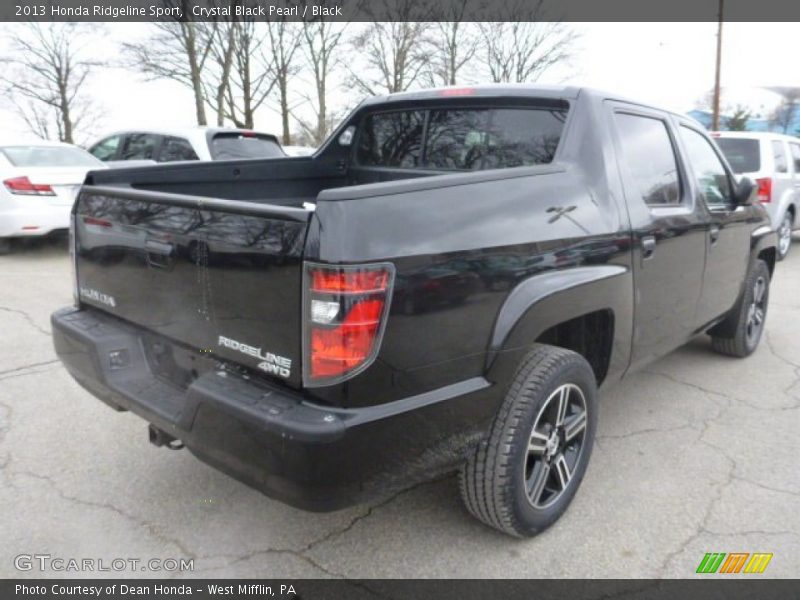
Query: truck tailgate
{"points": [[221, 276]]}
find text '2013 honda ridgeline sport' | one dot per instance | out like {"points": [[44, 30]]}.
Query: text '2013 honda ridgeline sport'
{"points": [[444, 285]]}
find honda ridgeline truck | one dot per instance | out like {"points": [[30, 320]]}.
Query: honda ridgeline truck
{"points": [[443, 285]]}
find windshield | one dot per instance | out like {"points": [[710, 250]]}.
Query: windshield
{"points": [[49, 156], [742, 154], [226, 146]]}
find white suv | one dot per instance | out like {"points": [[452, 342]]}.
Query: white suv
{"points": [[195, 143], [772, 161]]}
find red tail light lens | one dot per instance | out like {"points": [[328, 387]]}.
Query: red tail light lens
{"points": [[22, 186], [764, 189], [346, 309]]}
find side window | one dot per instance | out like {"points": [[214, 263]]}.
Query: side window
{"points": [[175, 148], [139, 146], [106, 149], [795, 148], [648, 153], [779, 153], [392, 139], [712, 178]]}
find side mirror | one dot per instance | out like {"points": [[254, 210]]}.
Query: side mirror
{"points": [[743, 193]]}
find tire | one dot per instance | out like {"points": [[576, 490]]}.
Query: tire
{"points": [[5, 246], [785, 235], [750, 315], [519, 452]]}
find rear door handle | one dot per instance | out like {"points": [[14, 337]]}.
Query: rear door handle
{"points": [[648, 246], [713, 234]]}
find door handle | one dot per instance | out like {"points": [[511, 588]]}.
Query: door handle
{"points": [[713, 234], [648, 246]]}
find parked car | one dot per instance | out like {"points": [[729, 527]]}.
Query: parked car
{"points": [[40, 180], [773, 162], [295, 375], [196, 143]]}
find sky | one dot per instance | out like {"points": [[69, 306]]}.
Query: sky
{"points": [[667, 64]]}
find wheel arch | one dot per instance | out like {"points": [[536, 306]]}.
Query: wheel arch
{"points": [[585, 309]]}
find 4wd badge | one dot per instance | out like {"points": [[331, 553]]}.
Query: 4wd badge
{"points": [[270, 363]]}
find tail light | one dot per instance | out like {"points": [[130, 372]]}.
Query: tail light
{"points": [[764, 186], [22, 186], [345, 313]]}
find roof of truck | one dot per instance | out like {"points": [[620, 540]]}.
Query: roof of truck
{"points": [[489, 90], [482, 90]]}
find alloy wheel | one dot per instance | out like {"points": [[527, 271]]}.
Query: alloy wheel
{"points": [[785, 234], [555, 446], [757, 310]]}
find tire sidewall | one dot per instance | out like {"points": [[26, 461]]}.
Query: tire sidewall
{"points": [[530, 519]]}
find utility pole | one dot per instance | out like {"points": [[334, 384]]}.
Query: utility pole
{"points": [[715, 109]]}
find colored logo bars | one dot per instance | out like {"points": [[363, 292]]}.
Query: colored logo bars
{"points": [[737, 562]]}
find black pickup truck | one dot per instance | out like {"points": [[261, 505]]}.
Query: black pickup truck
{"points": [[444, 285]]}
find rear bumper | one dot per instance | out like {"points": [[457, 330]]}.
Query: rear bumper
{"points": [[35, 218], [307, 455]]}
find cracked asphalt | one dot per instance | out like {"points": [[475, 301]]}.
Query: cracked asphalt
{"points": [[697, 454]]}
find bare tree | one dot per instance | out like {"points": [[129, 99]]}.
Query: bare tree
{"points": [[45, 77], [452, 43], [283, 64], [321, 48], [177, 50], [393, 53], [517, 51], [217, 81], [250, 78]]}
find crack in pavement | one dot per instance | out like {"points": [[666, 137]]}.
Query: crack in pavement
{"points": [[25, 374], [27, 317], [702, 527], [729, 398], [30, 366], [622, 436], [142, 523], [302, 553]]}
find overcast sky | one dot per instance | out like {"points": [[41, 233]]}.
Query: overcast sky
{"points": [[670, 64]]}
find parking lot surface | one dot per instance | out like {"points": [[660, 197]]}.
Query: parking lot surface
{"points": [[698, 453]]}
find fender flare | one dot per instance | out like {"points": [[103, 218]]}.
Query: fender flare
{"points": [[567, 294]]}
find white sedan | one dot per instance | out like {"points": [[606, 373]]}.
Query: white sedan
{"points": [[40, 180]]}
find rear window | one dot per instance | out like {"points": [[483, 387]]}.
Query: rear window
{"points": [[228, 146], [49, 156], [742, 154], [461, 139]]}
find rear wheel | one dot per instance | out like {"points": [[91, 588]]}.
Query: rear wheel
{"points": [[751, 315], [785, 234], [5, 246], [522, 478]]}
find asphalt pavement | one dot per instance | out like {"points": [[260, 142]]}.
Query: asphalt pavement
{"points": [[698, 453]]}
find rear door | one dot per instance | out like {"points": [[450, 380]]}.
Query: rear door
{"points": [[140, 146], [669, 231], [728, 225]]}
